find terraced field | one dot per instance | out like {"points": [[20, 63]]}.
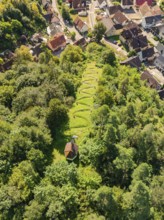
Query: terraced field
{"points": [[80, 113]]}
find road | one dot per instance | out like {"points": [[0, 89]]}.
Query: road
{"points": [[64, 25], [91, 14]]}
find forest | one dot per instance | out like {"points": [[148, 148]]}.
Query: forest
{"points": [[119, 172]]}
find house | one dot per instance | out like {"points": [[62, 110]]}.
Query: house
{"points": [[120, 18], [159, 63], [53, 29], [57, 43], [158, 30], [8, 58], [161, 94], [146, 54], [131, 30], [71, 151], [127, 4], [150, 21], [102, 3], [46, 4], [77, 4], [144, 9], [111, 28], [80, 25], [160, 48], [137, 43], [81, 42], [48, 17], [133, 62], [55, 19], [141, 2], [113, 9], [150, 80], [36, 49]]}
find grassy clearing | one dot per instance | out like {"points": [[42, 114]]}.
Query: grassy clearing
{"points": [[80, 113]]}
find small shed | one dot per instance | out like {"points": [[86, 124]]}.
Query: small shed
{"points": [[71, 151]]}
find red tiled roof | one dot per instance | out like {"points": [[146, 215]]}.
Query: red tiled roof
{"points": [[141, 2], [57, 42]]}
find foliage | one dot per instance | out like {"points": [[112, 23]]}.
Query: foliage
{"points": [[99, 31]]}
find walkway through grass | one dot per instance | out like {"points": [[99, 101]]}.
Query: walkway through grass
{"points": [[80, 113]]}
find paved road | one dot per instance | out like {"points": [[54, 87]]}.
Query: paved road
{"points": [[64, 25], [91, 14]]}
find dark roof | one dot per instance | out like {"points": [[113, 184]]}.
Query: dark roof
{"points": [[131, 30], [119, 17], [151, 19], [118, 26], [57, 42], [36, 50], [133, 62], [127, 2], [139, 42], [113, 9], [81, 42], [71, 150], [148, 52], [151, 81], [48, 16], [161, 94]]}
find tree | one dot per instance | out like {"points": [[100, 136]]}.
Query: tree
{"points": [[73, 35], [57, 117], [99, 31], [108, 57], [137, 202]]}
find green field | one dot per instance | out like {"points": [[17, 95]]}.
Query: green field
{"points": [[80, 113]]}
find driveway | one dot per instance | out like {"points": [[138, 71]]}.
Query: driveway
{"points": [[116, 47], [64, 25]]}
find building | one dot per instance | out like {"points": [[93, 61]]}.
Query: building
{"points": [[137, 43], [141, 2], [127, 4], [120, 18], [111, 28], [160, 48], [133, 62], [146, 54], [150, 21], [113, 9], [8, 58], [77, 4], [81, 42], [161, 94], [71, 151], [102, 3], [80, 25], [150, 80], [158, 30], [130, 30], [159, 63], [53, 29], [57, 43]]}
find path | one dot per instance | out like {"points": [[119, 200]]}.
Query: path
{"points": [[80, 113]]}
